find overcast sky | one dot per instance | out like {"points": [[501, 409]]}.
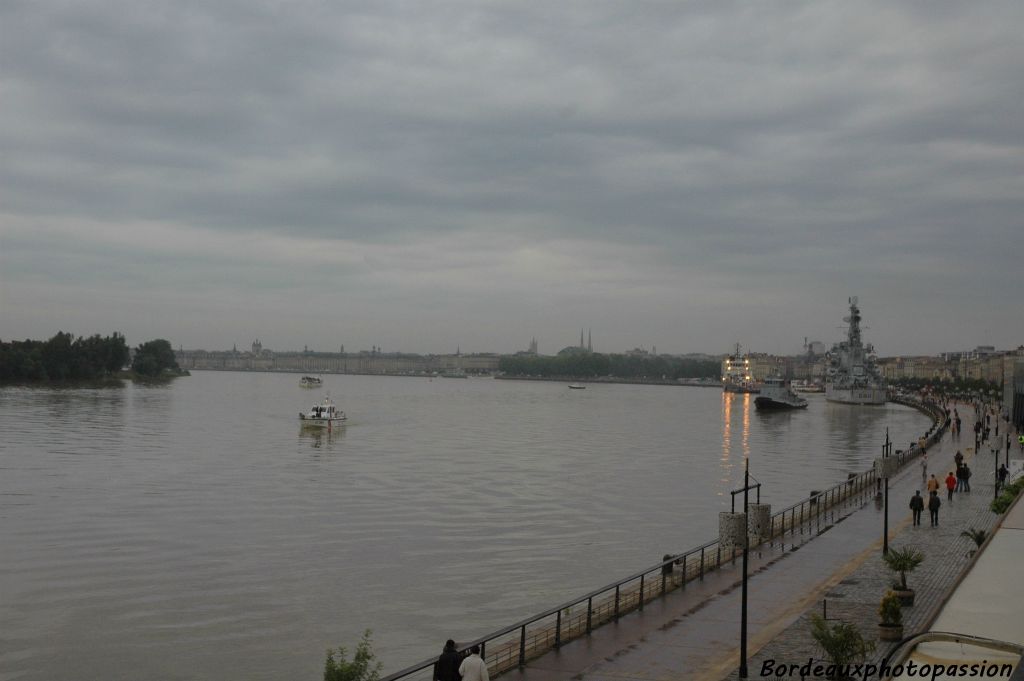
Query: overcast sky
{"points": [[426, 175]]}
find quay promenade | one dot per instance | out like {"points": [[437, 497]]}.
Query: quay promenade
{"points": [[694, 634]]}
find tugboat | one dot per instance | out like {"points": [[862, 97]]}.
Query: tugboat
{"points": [[852, 377], [736, 377], [775, 394]]}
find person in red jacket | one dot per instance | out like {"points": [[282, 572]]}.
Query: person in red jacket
{"points": [[950, 485]]}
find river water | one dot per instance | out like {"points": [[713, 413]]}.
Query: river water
{"points": [[193, 531]]}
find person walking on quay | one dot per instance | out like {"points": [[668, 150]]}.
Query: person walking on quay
{"points": [[966, 477], [950, 486], [959, 478], [917, 505], [959, 458], [447, 666], [473, 668], [924, 467], [933, 508], [1003, 472], [933, 485]]}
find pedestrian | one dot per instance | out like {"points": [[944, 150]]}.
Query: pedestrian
{"points": [[924, 467], [1003, 472], [473, 668], [933, 508], [933, 485], [958, 457], [950, 486], [959, 478], [967, 478], [917, 505], [447, 666]]}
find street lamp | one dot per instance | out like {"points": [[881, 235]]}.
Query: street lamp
{"points": [[746, 551], [886, 450]]}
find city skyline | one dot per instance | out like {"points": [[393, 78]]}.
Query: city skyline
{"points": [[426, 177]]}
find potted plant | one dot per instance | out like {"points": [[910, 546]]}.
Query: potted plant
{"points": [[842, 644], [902, 561], [890, 628]]}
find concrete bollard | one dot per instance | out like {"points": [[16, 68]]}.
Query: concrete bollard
{"points": [[731, 528]]}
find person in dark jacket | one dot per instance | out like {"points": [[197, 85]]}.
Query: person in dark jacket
{"points": [[447, 666], [917, 505], [933, 508]]}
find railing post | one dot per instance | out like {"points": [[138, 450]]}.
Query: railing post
{"points": [[702, 563], [522, 646], [641, 592], [684, 572], [483, 649], [590, 611], [664, 580], [616, 602], [558, 630]]}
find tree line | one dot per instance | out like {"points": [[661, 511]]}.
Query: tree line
{"points": [[593, 364], [65, 358]]}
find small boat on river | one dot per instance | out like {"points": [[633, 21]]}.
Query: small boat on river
{"points": [[310, 382], [323, 415], [577, 386], [775, 394]]}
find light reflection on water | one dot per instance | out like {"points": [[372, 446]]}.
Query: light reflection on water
{"points": [[195, 531]]}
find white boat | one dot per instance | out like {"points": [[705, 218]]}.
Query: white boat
{"points": [[577, 386], [736, 376], [807, 387], [775, 394], [323, 415], [852, 377], [310, 382]]}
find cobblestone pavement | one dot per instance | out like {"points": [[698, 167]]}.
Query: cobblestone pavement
{"points": [[856, 597]]}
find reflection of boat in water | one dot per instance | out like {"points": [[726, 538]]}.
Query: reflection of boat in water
{"points": [[577, 386], [310, 382], [321, 437], [736, 376], [323, 415], [775, 394], [852, 377]]}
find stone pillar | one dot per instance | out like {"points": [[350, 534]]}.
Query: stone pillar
{"points": [[760, 524], [731, 527], [886, 467]]}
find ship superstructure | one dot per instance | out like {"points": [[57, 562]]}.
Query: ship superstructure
{"points": [[736, 376], [851, 377]]}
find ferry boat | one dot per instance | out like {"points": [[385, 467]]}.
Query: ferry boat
{"points": [[775, 394], [736, 376], [323, 415], [851, 377], [310, 382]]}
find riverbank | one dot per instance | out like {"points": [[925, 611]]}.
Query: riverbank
{"points": [[686, 382]]}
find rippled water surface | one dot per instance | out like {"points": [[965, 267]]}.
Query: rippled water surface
{"points": [[192, 531]]}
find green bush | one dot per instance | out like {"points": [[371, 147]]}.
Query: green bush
{"points": [[902, 561], [362, 667], [1001, 503], [890, 610]]}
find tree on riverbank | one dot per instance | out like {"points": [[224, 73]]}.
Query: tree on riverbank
{"points": [[154, 358], [63, 358]]}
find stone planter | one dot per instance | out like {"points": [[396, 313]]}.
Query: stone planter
{"points": [[906, 597], [890, 632]]}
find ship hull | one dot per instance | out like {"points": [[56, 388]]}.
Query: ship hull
{"points": [[769, 404], [855, 395]]}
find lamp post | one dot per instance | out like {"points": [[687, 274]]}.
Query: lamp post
{"points": [[886, 449], [746, 550]]}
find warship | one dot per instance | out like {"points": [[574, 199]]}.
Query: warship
{"points": [[851, 377]]}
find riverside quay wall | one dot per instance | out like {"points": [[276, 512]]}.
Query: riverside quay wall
{"points": [[337, 363]]}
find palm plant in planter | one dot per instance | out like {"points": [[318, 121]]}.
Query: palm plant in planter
{"points": [[842, 644], [902, 561], [890, 628]]}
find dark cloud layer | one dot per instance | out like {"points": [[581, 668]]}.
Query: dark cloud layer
{"points": [[477, 174]]}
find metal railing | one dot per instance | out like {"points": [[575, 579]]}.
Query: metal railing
{"points": [[514, 645]]}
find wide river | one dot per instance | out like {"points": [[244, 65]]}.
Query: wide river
{"points": [[192, 531]]}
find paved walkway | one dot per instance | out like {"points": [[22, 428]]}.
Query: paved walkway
{"points": [[694, 634]]}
